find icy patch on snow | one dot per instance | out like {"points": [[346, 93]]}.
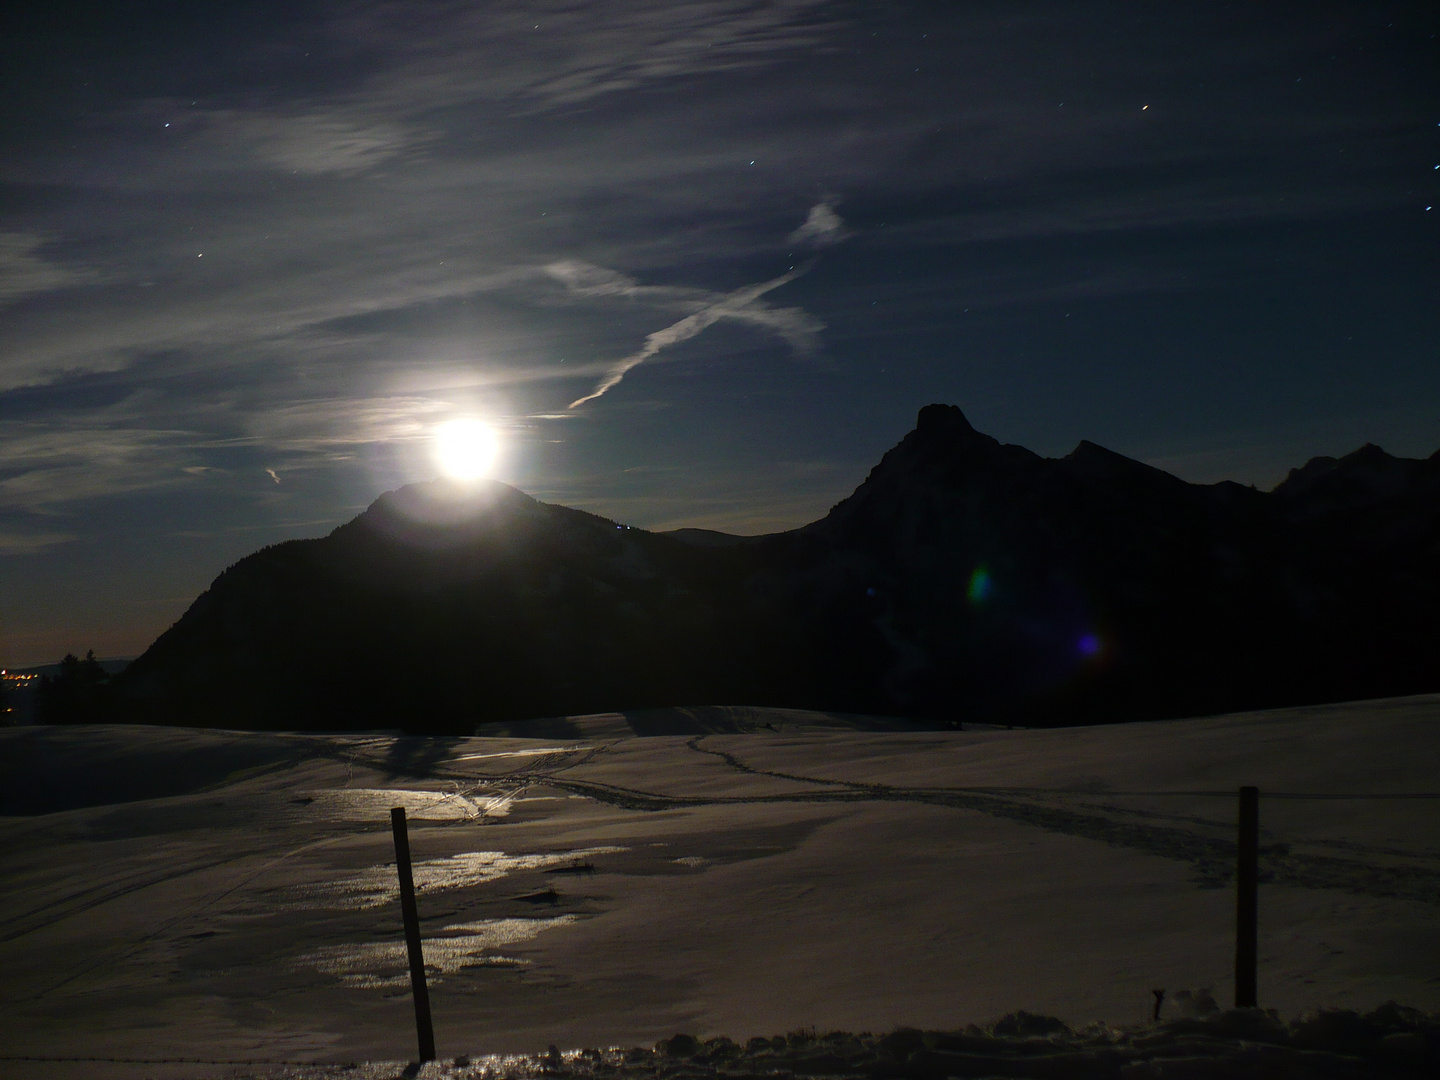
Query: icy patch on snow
{"points": [[378, 885], [374, 804], [535, 752], [464, 945]]}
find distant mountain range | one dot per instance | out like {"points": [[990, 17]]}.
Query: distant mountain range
{"points": [[963, 580]]}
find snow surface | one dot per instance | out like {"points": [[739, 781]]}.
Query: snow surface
{"points": [[187, 893]]}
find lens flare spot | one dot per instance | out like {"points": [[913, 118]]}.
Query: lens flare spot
{"points": [[1089, 645], [980, 585], [465, 449]]}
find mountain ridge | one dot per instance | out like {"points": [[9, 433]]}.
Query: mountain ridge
{"points": [[963, 579]]}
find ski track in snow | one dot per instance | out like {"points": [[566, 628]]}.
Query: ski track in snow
{"points": [[1211, 857]]}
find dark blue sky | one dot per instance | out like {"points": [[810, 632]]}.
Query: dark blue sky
{"points": [[251, 256]]}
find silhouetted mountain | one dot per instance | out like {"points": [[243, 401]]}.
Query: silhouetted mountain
{"points": [[963, 580]]}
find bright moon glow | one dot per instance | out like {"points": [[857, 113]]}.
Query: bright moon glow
{"points": [[465, 449]]}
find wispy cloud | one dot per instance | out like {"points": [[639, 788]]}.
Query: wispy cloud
{"points": [[49, 465], [25, 271], [586, 280], [22, 543], [821, 228], [509, 59], [319, 141], [798, 327], [540, 56], [49, 468]]}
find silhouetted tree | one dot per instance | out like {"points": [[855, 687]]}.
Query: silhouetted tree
{"points": [[78, 694]]}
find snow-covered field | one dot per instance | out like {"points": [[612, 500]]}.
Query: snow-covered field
{"points": [[188, 893]]}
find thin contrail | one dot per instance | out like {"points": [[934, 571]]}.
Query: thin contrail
{"points": [[795, 326]]}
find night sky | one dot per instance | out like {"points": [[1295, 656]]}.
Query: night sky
{"points": [[698, 262]]}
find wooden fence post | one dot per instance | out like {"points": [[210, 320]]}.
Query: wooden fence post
{"points": [[418, 989], [1247, 900]]}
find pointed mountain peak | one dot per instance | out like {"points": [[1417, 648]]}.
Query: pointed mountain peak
{"points": [[1360, 477], [942, 446], [1369, 454], [942, 420], [942, 430], [1096, 462], [1085, 450]]}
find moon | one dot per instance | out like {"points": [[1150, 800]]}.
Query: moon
{"points": [[465, 449]]}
